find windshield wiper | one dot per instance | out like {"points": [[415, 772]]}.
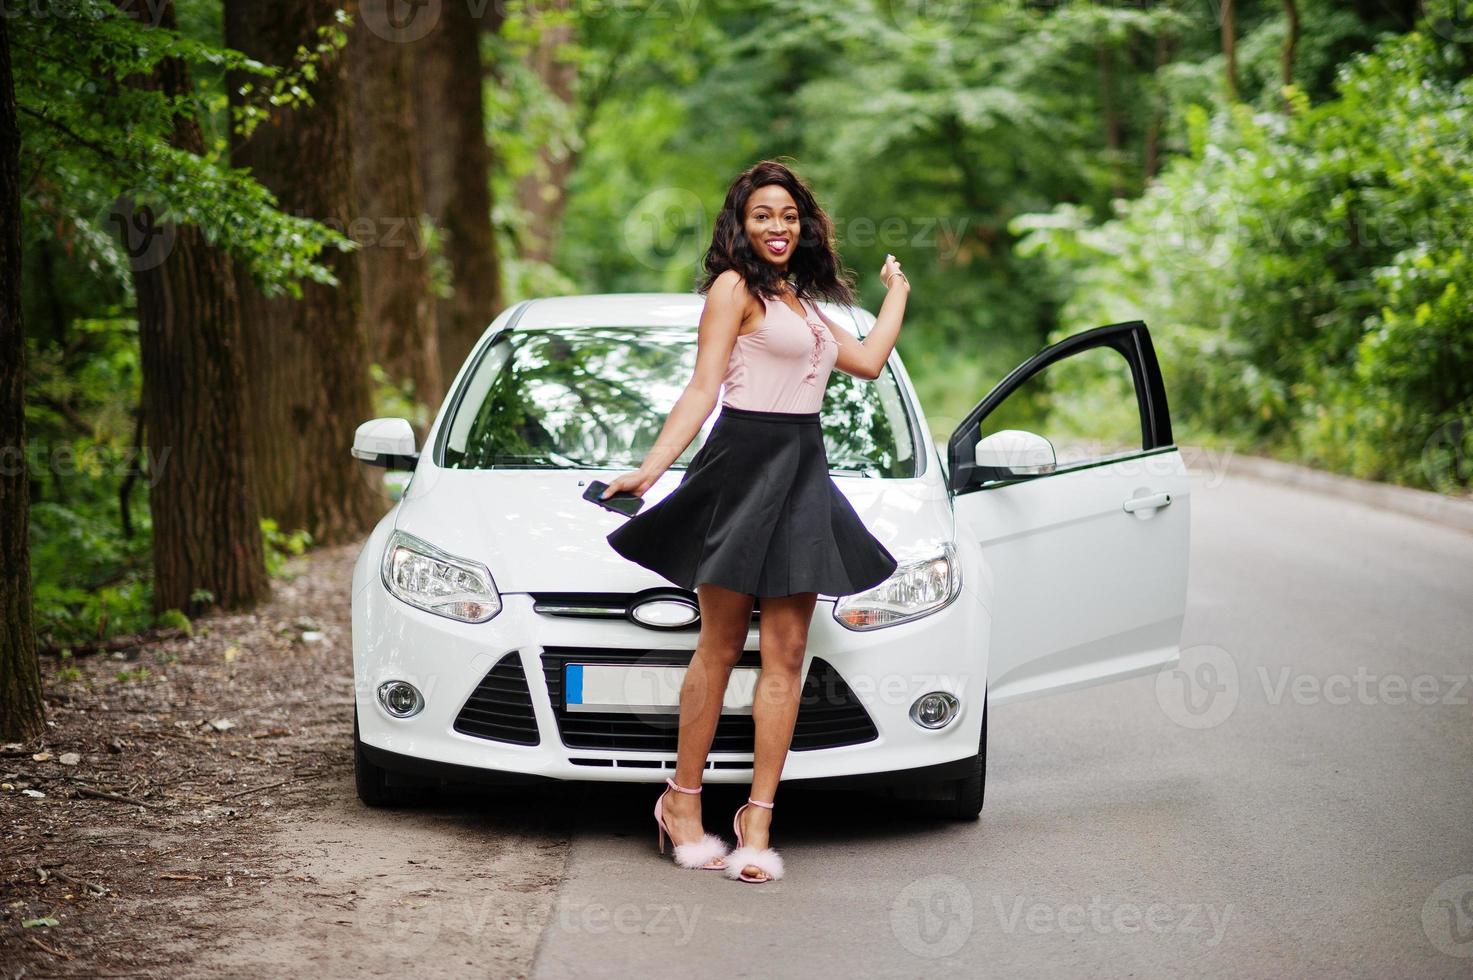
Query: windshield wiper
{"points": [[555, 461], [578, 464]]}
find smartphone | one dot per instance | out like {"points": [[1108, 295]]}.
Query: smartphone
{"points": [[622, 502]]}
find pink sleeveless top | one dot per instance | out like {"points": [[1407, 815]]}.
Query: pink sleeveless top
{"points": [[783, 365]]}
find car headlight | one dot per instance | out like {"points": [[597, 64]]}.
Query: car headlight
{"points": [[422, 575], [919, 587]]}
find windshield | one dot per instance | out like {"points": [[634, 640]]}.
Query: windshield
{"points": [[596, 397]]}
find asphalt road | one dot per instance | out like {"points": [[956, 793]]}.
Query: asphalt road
{"points": [[1297, 800]]}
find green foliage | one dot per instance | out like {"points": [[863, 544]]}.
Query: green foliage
{"points": [[288, 87], [1008, 154], [133, 675], [924, 130], [69, 674], [281, 546], [396, 399], [1304, 274], [1305, 277], [69, 616], [97, 146], [91, 579], [176, 619]]}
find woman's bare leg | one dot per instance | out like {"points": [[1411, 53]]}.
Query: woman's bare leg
{"points": [[726, 617], [784, 638]]}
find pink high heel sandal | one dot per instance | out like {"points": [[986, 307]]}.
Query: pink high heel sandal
{"points": [[705, 854], [764, 859]]}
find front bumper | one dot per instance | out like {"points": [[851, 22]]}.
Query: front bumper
{"points": [[884, 671]]}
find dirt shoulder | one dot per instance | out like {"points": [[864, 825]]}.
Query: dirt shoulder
{"points": [[198, 818]]}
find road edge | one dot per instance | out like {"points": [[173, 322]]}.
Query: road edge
{"points": [[1453, 512]]}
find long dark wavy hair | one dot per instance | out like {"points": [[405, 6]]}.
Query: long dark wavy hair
{"points": [[814, 270]]}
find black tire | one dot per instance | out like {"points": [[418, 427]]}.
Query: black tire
{"points": [[969, 791], [372, 781]]}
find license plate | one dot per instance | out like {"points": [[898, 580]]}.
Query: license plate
{"points": [[645, 688]]}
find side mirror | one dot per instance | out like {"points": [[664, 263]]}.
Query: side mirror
{"points": [[1012, 453], [386, 442]]}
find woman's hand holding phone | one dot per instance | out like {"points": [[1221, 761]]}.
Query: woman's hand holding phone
{"points": [[635, 482]]}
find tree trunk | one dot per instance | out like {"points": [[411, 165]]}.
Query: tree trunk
{"points": [[543, 192], [1153, 134], [398, 309], [307, 358], [22, 708], [206, 525], [1291, 41], [455, 171], [206, 520], [1110, 116], [1230, 50]]}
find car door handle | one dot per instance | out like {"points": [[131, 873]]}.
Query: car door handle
{"points": [[1146, 503]]}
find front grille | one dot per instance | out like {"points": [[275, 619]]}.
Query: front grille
{"points": [[500, 708], [582, 605], [829, 715], [609, 605]]}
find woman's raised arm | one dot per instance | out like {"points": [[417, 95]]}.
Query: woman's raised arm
{"points": [[866, 358]]}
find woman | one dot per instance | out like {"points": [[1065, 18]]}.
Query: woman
{"points": [[756, 513]]}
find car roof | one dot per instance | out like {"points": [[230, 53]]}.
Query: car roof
{"points": [[648, 309]]}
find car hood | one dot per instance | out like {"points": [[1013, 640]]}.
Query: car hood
{"points": [[535, 533]]}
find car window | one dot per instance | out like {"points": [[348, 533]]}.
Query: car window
{"points": [[598, 397], [1084, 404]]}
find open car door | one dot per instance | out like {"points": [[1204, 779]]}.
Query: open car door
{"points": [[1068, 476]]}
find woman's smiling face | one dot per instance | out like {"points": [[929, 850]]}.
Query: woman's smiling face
{"points": [[773, 224]]}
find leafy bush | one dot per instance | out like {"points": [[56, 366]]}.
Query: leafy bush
{"points": [[1304, 275], [282, 546]]}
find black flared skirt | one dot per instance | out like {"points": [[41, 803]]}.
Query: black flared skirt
{"points": [[757, 512]]}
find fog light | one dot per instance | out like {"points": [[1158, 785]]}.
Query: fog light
{"points": [[400, 698], [934, 710]]}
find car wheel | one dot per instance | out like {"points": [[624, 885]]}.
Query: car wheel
{"points": [[372, 781], [968, 792]]}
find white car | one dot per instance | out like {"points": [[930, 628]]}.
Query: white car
{"points": [[498, 637]]}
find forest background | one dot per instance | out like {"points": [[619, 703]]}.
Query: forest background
{"points": [[235, 229]]}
